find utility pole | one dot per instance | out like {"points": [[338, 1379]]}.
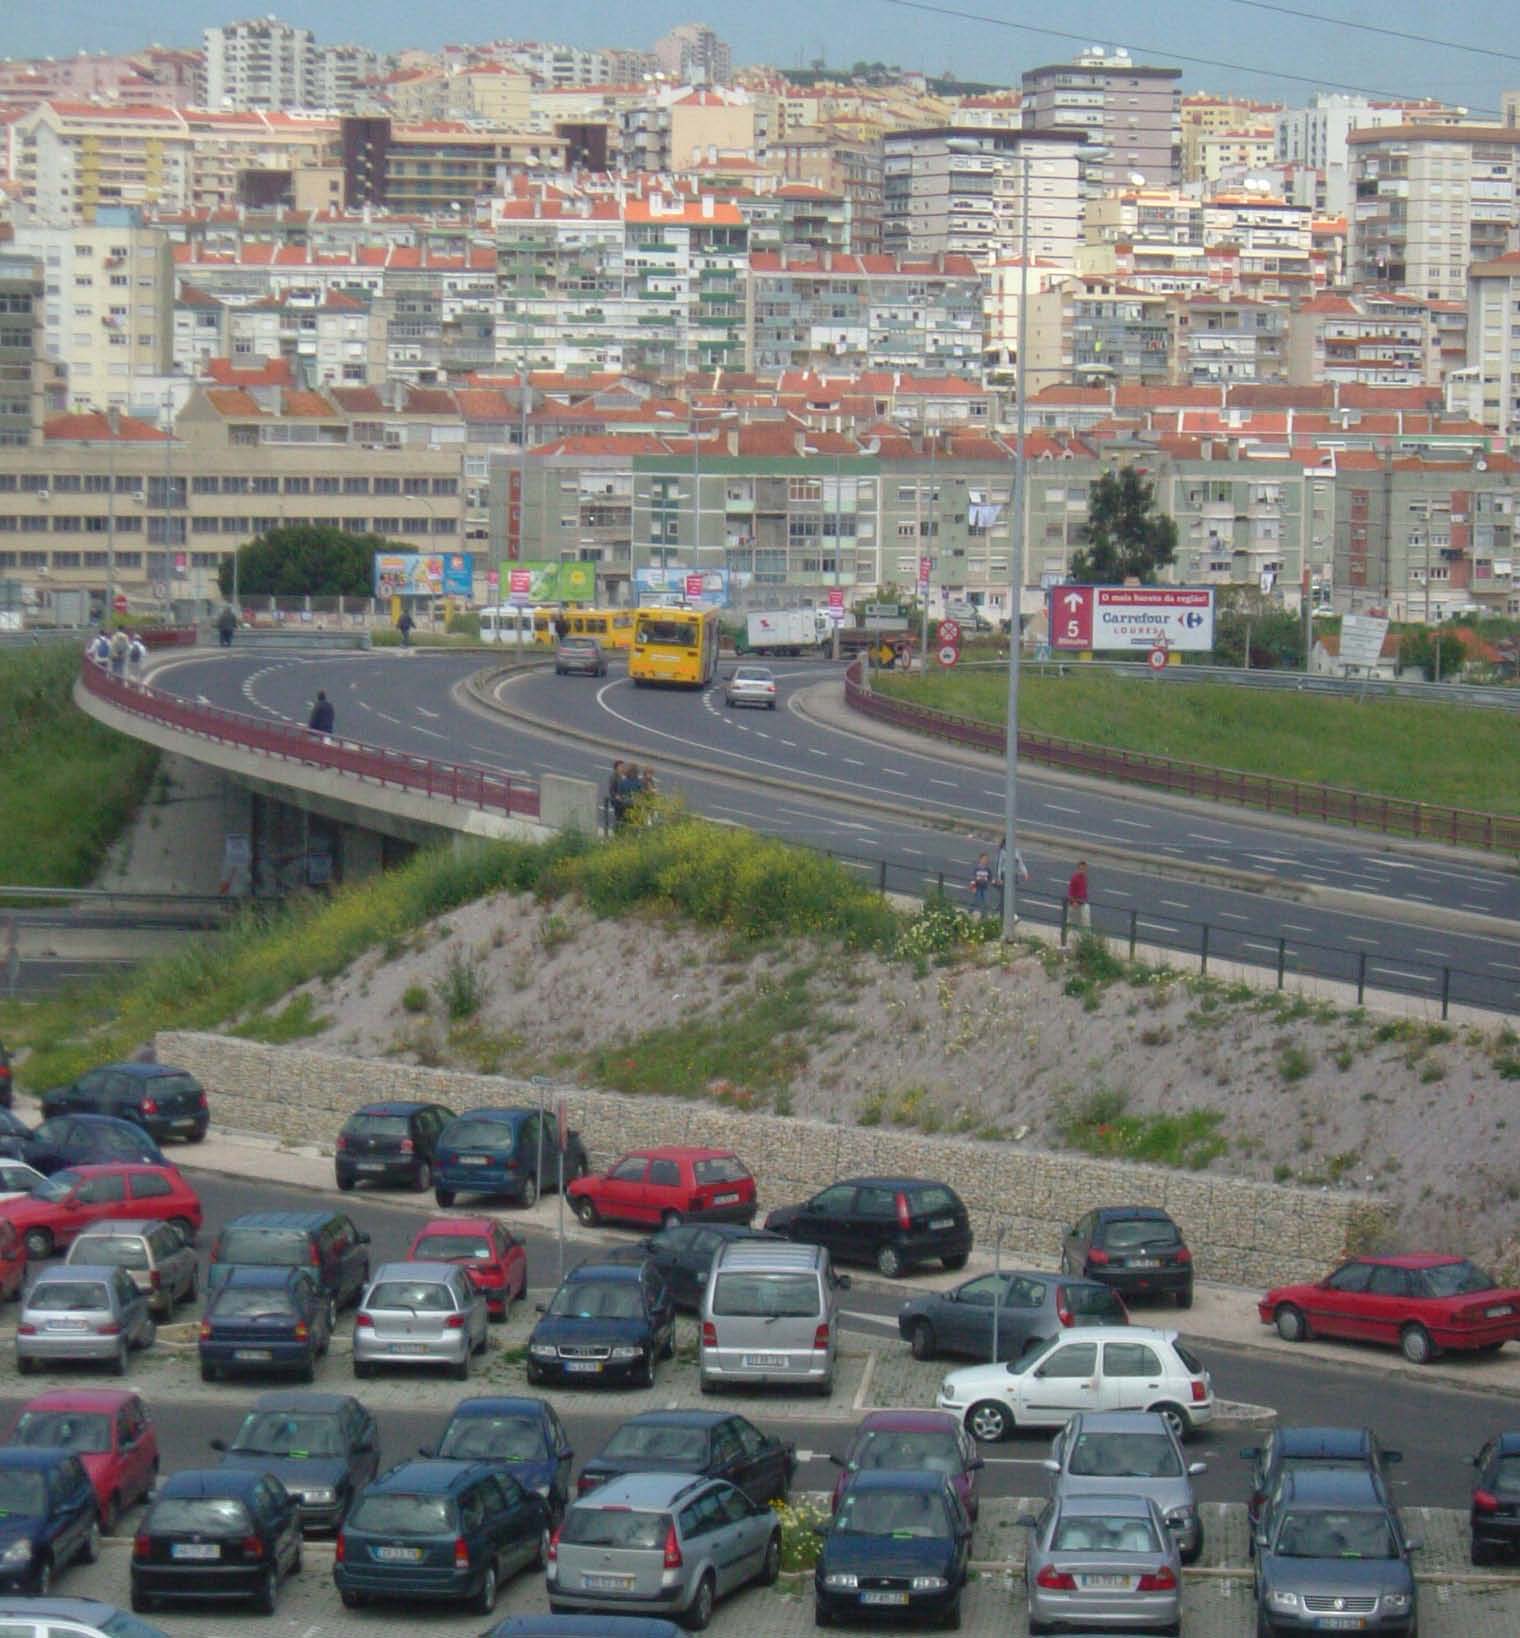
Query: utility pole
{"points": [[522, 497], [1016, 583], [168, 497], [111, 426]]}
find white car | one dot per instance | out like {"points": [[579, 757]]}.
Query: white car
{"points": [[1099, 1368], [751, 685], [17, 1178]]}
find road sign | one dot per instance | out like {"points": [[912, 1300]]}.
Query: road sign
{"points": [[694, 586], [950, 632], [1362, 638], [1156, 659], [1178, 618], [883, 611], [520, 585], [948, 654]]}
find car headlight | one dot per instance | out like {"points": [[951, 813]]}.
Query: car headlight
{"points": [[929, 1583], [543, 1350], [544, 1490], [1285, 1601], [841, 1582], [320, 1495], [1396, 1603], [947, 1391], [1180, 1517], [19, 1552], [627, 1351]]}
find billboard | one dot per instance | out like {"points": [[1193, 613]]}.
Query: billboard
{"points": [[424, 574], [695, 585], [1179, 618], [551, 582]]}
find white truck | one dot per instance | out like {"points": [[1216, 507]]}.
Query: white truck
{"points": [[786, 631]]}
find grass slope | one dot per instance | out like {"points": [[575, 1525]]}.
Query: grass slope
{"points": [[68, 786], [1446, 754]]}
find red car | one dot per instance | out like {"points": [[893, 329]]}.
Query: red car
{"points": [[49, 1218], [109, 1430], [666, 1186], [12, 1261], [913, 1441], [1423, 1304], [492, 1256]]}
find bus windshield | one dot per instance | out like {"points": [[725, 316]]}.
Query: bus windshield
{"points": [[677, 633]]}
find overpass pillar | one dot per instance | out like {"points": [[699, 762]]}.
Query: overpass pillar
{"points": [[568, 804], [361, 853]]}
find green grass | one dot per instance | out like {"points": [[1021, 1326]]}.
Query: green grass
{"points": [[68, 786], [1447, 754], [1101, 1125], [295, 1021]]}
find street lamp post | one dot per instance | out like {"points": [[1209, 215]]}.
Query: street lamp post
{"points": [[1016, 580], [694, 417]]}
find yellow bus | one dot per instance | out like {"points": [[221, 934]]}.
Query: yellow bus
{"points": [[674, 646], [612, 628]]}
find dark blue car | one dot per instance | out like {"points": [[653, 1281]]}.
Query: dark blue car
{"points": [[48, 1516], [265, 1320], [88, 1140], [898, 1546], [608, 1322], [506, 1152], [166, 1102], [523, 1437], [323, 1447], [449, 1532]]}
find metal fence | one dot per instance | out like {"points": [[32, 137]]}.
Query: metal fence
{"points": [[1329, 804], [461, 783]]}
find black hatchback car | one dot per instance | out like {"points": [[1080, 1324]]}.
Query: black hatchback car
{"points": [[323, 1447], [1027, 1307], [607, 1322], [1494, 1514], [390, 1143], [166, 1102], [88, 1140], [712, 1444], [1138, 1250], [896, 1223], [1291, 1450], [683, 1255]]}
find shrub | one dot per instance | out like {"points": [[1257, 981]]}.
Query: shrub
{"points": [[414, 998], [461, 990], [1101, 1125], [1294, 1063]]}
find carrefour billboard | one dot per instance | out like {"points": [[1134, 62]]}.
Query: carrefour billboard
{"points": [[1177, 618], [424, 574]]}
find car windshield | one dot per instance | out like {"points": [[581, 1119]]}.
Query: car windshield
{"points": [[452, 1248], [597, 1299], [420, 1296], [1139, 1231], [198, 1515], [63, 1430], [1104, 1533], [493, 1438], [614, 1527], [765, 1296], [751, 673], [479, 1134], [1335, 1535], [1124, 1456], [1026, 1362], [908, 1452], [69, 1297], [18, 1176], [934, 1197], [643, 1441], [118, 1250], [22, 1495], [402, 1514], [1455, 1280], [726, 1169], [57, 1187], [391, 1126], [172, 1085], [256, 1302], [290, 1433], [264, 1248], [1095, 1304], [916, 1513]]}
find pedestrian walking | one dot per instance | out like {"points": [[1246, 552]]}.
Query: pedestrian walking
{"points": [[617, 794], [100, 648], [226, 624], [405, 625], [137, 654], [322, 715], [1000, 871], [119, 649], [981, 880], [1076, 896]]}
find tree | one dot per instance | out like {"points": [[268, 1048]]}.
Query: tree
{"points": [[1439, 654], [1126, 537], [305, 560], [1276, 634]]}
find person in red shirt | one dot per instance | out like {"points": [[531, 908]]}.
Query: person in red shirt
{"points": [[1076, 896]]}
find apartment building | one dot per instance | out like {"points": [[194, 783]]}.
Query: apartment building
{"points": [[159, 74], [439, 165], [1493, 331], [692, 54], [1378, 341], [1205, 116], [1093, 329], [260, 63], [1224, 339], [1248, 149], [1129, 112], [21, 349], [825, 157], [1429, 201], [342, 75], [1315, 136]]}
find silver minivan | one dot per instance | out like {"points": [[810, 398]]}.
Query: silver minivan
{"points": [[162, 1266], [768, 1315]]}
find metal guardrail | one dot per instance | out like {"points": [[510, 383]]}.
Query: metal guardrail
{"points": [[461, 783], [1329, 804]]}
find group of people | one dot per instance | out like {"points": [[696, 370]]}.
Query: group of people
{"points": [[122, 653], [629, 782], [989, 874]]}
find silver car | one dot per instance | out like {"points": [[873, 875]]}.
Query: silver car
{"points": [[662, 1544], [162, 1266], [82, 1311], [1104, 1563], [1136, 1452], [420, 1314], [751, 685]]}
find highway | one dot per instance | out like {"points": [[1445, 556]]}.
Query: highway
{"points": [[920, 814]]}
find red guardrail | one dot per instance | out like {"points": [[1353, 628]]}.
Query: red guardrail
{"points": [[168, 636], [463, 783], [1331, 804]]}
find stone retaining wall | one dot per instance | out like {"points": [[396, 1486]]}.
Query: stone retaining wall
{"points": [[1242, 1232]]}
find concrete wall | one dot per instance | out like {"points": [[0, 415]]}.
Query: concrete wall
{"points": [[1243, 1232]]}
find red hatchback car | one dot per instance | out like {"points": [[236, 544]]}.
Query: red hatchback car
{"points": [[492, 1256], [109, 1430], [666, 1186], [1422, 1303], [49, 1218], [12, 1261], [912, 1441]]}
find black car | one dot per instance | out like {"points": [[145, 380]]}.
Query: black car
{"points": [[894, 1222], [1029, 1308], [216, 1535], [323, 1447], [683, 1255], [898, 1545], [607, 1322], [88, 1140], [166, 1102], [1138, 1250], [390, 1143], [1290, 1450], [326, 1241], [523, 1437], [713, 1444], [7, 1089], [1495, 1507], [48, 1516], [14, 1132]]}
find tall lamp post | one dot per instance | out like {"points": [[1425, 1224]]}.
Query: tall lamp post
{"points": [[812, 449], [694, 418], [1016, 582]]}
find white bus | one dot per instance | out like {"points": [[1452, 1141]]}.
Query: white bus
{"points": [[507, 623]]}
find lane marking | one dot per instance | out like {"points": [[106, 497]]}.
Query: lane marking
{"points": [[1174, 904], [1398, 972], [1132, 824]]}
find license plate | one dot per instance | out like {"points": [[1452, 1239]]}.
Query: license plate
{"points": [[186, 1121], [763, 1362], [1499, 1312], [474, 1160], [65, 1325], [399, 1555], [607, 1583], [733, 1200], [194, 1549], [1340, 1623], [590, 1366], [941, 1222], [884, 1598], [252, 1353], [1144, 1262], [371, 1165], [1111, 1582]]}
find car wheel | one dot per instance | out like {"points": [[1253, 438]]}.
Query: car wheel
{"points": [[1176, 1419], [351, 1599], [705, 1384], [186, 1229], [42, 1579], [89, 1548], [141, 1603], [770, 705], [1416, 1346], [959, 1260], [363, 1369], [308, 1371], [541, 1557], [529, 1193], [1185, 1297], [444, 1197], [25, 1366], [671, 1219], [989, 1422], [193, 1290], [424, 1178], [209, 1373], [345, 1183], [1291, 1324], [38, 1243], [120, 1363], [646, 1376], [950, 1621], [699, 1611], [485, 1599], [585, 1209], [198, 1133], [268, 1592], [921, 1339], [1481, 1552], [770, 1568], [821, 1617], [462, 1369], [889, 1262]]}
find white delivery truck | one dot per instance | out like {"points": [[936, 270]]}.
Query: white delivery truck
{"points": [[786, 631]]}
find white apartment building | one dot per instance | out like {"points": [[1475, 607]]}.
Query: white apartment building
{"points": [[1315, 136], [1493, 342], [340, 71], [260, 63], [693, 54]]}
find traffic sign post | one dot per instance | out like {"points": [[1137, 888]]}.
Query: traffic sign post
{"points": [[1157, 659], [950, 632], [949, 653]]}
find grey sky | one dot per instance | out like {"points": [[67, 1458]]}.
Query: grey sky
{"points": [[793, 32]]}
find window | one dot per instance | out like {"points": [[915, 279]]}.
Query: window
{"points": [[1077, 1360], [1387, 1281], [1130, 1359], [1351, 1277], [665, 1173]]}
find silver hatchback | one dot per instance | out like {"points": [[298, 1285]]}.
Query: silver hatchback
{"points": [[162, 1266], [662, 1544], [1138, 1453], [751, 685], [1103, 1563], [83, 1311], [420, 1314]]}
